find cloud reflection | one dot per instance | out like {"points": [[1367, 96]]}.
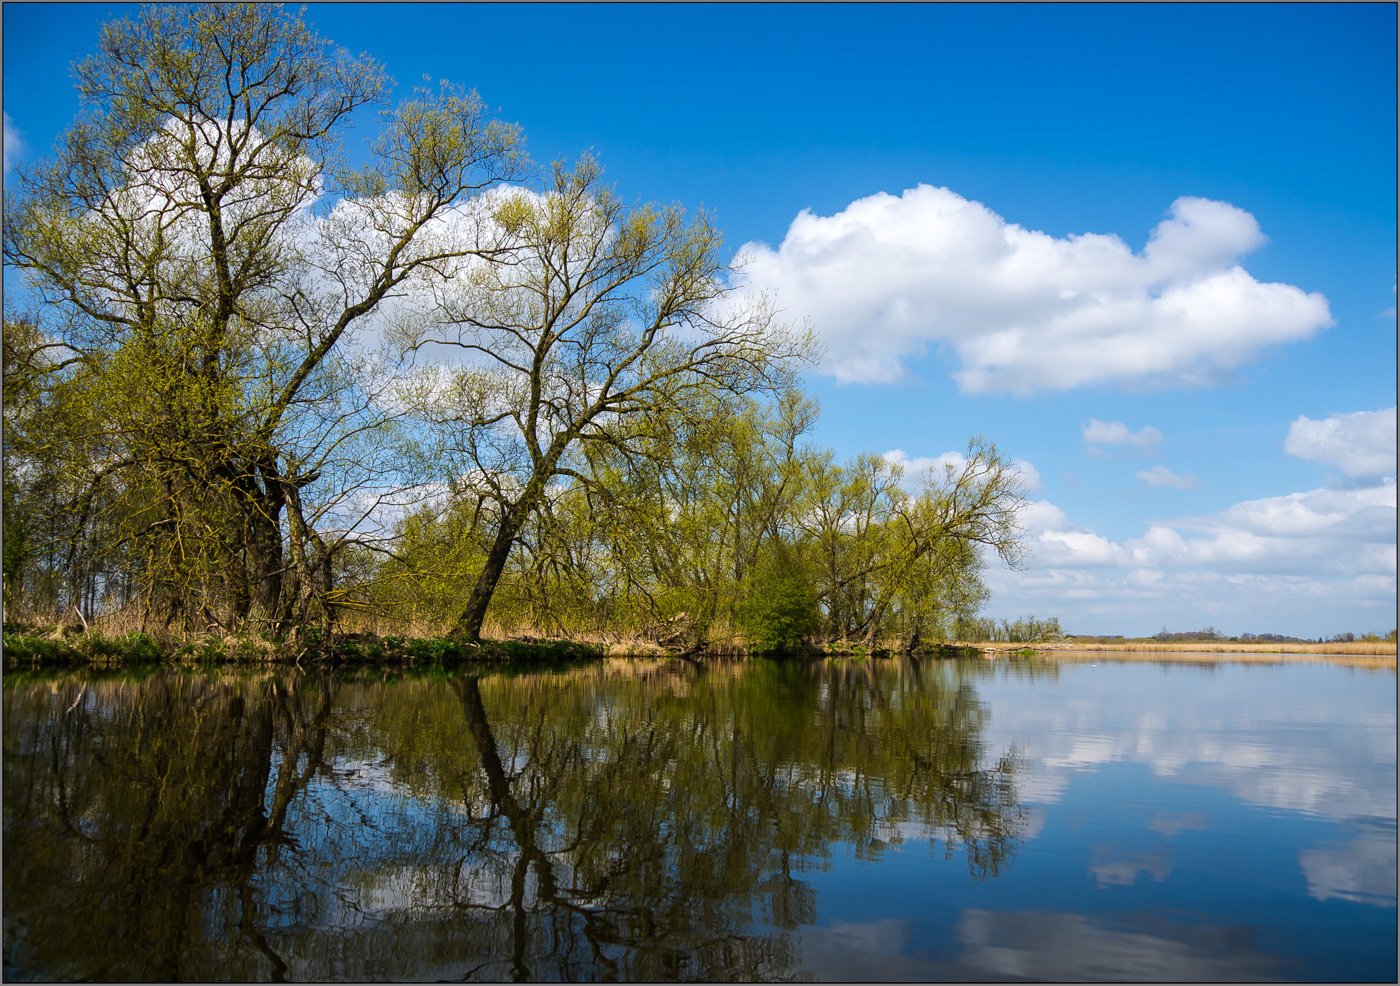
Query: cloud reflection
{"points": [[1170, 825], [1361, 869], [1113, 868], [1281, 740], [1059, 946]]}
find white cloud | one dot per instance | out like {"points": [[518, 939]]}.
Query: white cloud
{"points": [[920, 465], [1326, 530], [888, 277], [917, 465], [1361, 444], [1304, 563], [1159, 476], [14, 144], [1097, 432]]}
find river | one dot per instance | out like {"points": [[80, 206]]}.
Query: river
{"points": [[903, 819]]}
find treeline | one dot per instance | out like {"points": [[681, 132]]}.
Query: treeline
{"points": [[253, 387], [729, 528]]}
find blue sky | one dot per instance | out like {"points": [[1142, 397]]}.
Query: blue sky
{"points": [[1258, 142]]}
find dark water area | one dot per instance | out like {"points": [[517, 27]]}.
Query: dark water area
{"points": [[657, 820]]}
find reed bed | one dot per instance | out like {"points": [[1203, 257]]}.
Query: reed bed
{"points": [[1380, 647], [1370, 662]]}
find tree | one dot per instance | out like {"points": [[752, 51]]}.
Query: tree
{"points": [[880, 546], [974, 504], [209, 259], [590, 319]]}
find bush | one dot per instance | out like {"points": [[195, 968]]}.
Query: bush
{"points": [[779, 611]]}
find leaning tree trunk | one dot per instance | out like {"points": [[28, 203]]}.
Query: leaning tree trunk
{"points": [[468, 625]]}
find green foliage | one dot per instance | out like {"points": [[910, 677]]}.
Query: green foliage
{"points": [[779, 612], [622, 455], [192, 433], [88, 648]]}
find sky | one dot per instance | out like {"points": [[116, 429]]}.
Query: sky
{"points": [[1150, 251]]}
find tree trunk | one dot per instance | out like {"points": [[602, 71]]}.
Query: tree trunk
{"points": [[263, 542], [911, 642], [468, 625], [877, 616], [265, 559]]}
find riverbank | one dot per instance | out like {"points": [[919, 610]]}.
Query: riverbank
{"points": [[32, 648], [1355, 648], [29, 649], [1369, 662]]}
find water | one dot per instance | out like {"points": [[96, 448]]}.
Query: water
{"points": [[653, 820]]}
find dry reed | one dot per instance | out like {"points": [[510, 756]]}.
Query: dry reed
{"points": [[1209, 647]]}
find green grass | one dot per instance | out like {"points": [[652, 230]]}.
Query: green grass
{"points": [[28, 648]]}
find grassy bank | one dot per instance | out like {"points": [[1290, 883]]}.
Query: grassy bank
{"points": [[32, 647], [29, 648]]}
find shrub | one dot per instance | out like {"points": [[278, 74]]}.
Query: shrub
{"points": [[779, 611]]}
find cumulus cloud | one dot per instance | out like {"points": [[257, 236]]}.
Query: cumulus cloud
{"points": [[1323, 559], [1326, 530], [1160, 476], [1361, 445], [920, 465], [1097, 432], [888, 277]]}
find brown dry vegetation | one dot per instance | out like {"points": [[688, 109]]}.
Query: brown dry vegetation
{"points": [[1230, 647], [1198, 650], [1370, 662]]}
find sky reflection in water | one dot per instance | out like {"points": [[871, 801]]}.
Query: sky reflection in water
{"points": [[647, 820]]}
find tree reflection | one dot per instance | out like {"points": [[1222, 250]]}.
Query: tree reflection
{"points": [[137, 815], [631, 821]]}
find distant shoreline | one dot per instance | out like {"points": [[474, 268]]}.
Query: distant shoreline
{"points": [[1359, 647], [1197, 652]]}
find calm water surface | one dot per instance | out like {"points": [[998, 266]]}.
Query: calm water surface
{"points": [[652, 820]]}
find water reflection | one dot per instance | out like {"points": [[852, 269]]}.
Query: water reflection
{"points": [[658, 820], [1360, 869], [1131, 947], [1314, 739], [634, 821]]}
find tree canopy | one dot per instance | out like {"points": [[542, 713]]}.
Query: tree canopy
{"points": [[253, 385]]}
